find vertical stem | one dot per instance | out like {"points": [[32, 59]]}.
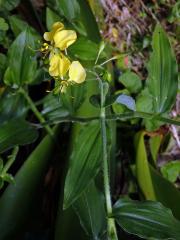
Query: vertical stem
{"points": [[112, 234], [36, 112]]}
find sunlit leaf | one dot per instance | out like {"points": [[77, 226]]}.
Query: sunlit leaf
{"points": [[155, 143], [163, 72], [171, 170], [22, 71], [131, 81], [151, 183], [84, 49]]}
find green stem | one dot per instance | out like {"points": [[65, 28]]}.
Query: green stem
{"points": [[116, 117], [112, 234], [10, 161], [36, 112]]}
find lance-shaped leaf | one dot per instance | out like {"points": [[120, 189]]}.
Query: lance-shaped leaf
{"points": [[151, 183], [17, 200], [22, 63], [90, 208], [148, 220], [84, 163], [163, 72]]}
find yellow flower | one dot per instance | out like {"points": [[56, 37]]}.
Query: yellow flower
{"points": [[76, 72], [63, 39], [59, 65], [57, 26]]}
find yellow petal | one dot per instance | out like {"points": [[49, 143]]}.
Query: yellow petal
{"points": [[57, 26], [64, 65], [54, 62], [59, 65], [63, 39], [76, 72]]}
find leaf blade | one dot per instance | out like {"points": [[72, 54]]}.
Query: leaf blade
{"points": [[146, 219], [16, 132], [163, 72], [84, 163]]}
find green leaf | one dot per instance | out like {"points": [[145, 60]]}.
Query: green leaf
{"points": [[1, 165], [84, 49], [3, 25], [117, 108], [155, 143], [142, 168], [70, 8], [1, 182], [73, 98], [171, 170], [95, 100], [3, 61], [9, 4], [163, 72], [22, 63], [53, 108], [16, 132], [144, 103], [102, 46], [51, 18], [148, 220], [78, 12], [68, 219], [127, 101], [8, 178], [18, 26], [175, 13], [91, 211], [84, 163], [17, 200], [151, 183], [12, 106], [131, 81]]}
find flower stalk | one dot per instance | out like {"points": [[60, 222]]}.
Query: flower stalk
{"points": [[36, 112], [112, 234]]}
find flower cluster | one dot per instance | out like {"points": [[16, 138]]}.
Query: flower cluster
{"points": [[60, 66]]}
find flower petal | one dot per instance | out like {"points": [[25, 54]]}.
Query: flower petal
{"points": [[64, 65], [59, 65], [76, 72], [63, 39], [57, 26]]}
